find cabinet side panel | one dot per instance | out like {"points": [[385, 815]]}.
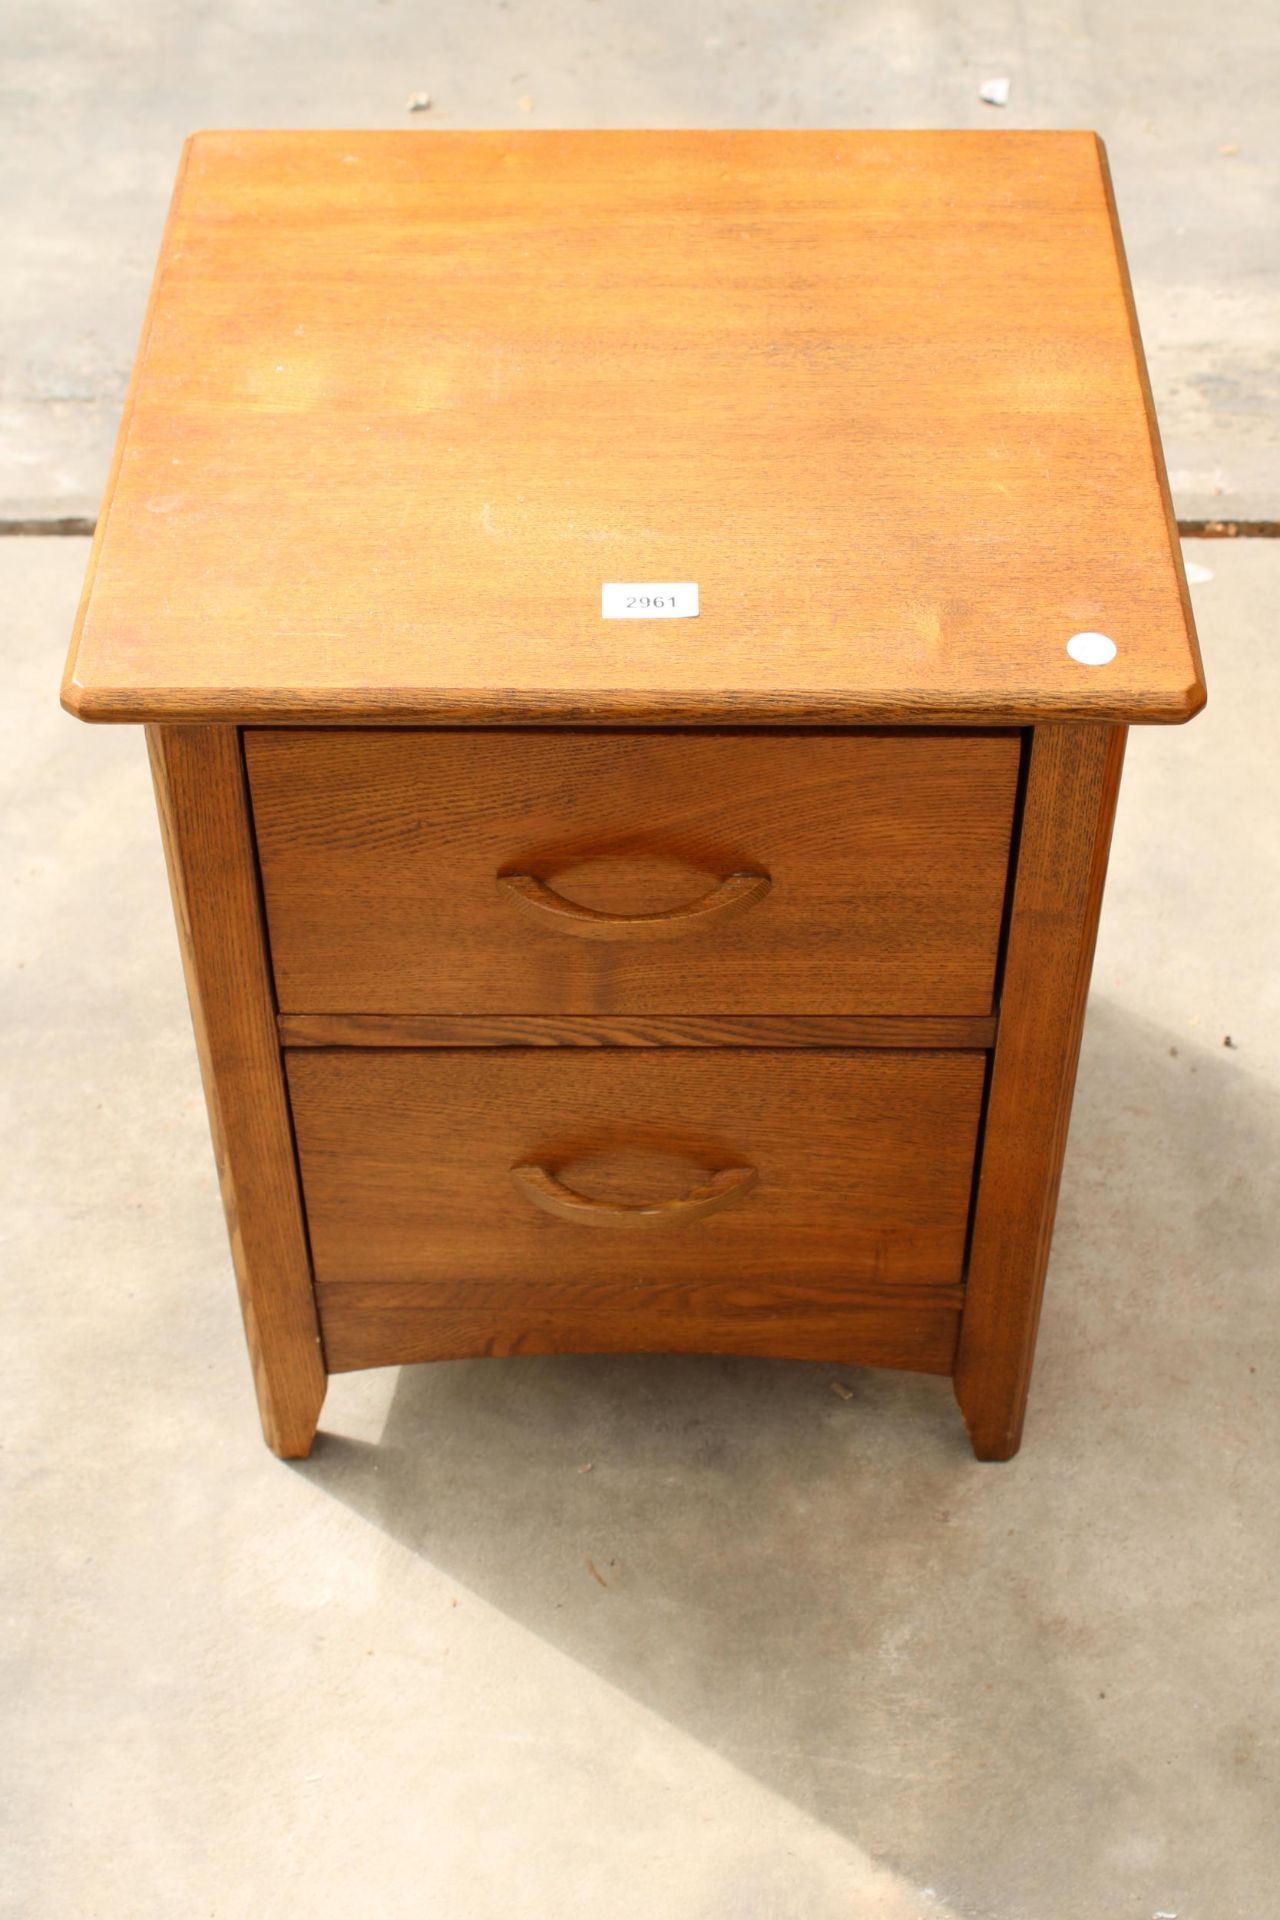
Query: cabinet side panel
{"points": [[204, 821], [1072, 782]]}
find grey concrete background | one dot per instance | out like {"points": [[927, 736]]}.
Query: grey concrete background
{"points": [[97, 99], [837, 1669]]}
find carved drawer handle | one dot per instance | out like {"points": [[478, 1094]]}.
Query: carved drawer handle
{"points": [[534, 897], [719, 1190]]}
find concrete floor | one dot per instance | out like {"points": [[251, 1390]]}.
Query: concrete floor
{"points": [[96, 100], [836, 1668]]}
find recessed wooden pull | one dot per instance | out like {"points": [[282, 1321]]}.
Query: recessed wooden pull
{"points": [[729, 896], [717, 1191]]}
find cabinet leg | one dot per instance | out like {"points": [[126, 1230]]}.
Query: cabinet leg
{"points": [[288, 1431], [995, 1431], [1072, 778], [204, 821]]}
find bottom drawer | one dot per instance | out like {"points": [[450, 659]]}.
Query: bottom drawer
{"points": [[728, 1201]]}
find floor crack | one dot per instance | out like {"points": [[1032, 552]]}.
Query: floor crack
{"points": [[79, 526]]}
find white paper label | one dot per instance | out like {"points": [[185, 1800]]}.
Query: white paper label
{"points": [[649, 600]]}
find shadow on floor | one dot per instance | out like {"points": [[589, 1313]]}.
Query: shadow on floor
{"points": [[831, 1592]]}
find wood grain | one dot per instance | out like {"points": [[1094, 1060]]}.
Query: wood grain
{"points": [[381, 852], [1073, 779], [199, 782], [654, 1030], [387, 1326], [405, 402], [864, 1160]]}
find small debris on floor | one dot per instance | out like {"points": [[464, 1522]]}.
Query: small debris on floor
{"points": [[1196, 574], [1173, 1053], [525, 103], [1227, 1041], [838, 1386], [586, 1466], [994, 92], [1229, 148], [595, 1573], [418, 103]]}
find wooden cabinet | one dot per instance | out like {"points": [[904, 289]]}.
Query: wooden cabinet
{"points": [[686, 981]]}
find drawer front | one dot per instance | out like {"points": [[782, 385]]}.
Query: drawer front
{"points": [[554, 873], [723, 1201]]}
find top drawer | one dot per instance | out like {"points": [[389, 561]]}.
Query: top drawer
{"points": [[806, 873]]}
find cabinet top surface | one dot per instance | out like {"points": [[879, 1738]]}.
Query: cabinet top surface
{"points": [[404, 403]]}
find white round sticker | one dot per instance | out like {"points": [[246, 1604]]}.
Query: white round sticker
{"points": [[1091, 649]]}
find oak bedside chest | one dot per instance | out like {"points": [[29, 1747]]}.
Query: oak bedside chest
{"points": [[636, 633]]}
